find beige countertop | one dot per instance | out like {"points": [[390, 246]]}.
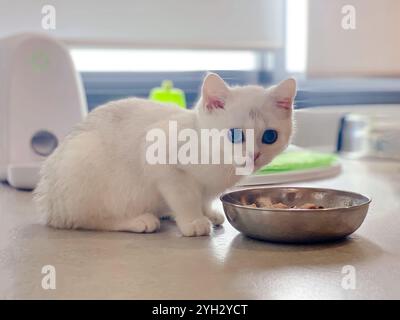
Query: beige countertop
{"points": [[225, 265]]}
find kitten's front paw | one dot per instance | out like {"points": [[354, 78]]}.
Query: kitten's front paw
{"points": [[145, 223], [215, 217], [198, 227]]}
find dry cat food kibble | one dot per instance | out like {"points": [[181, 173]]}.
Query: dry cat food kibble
{"points": [[265, 202]]}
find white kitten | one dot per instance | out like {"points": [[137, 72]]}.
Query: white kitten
{"points": [[98, 178]]}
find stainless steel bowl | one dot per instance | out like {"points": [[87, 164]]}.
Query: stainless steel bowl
{"points": [[343, 214]]}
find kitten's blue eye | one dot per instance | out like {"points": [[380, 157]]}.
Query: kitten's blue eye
{"points": [[269, 136], [236, 135]]}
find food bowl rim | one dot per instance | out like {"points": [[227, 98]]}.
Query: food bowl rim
{"points": [[367, 202]]}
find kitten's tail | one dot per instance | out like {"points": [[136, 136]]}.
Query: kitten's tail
{"points": [[42, 201], [45, 194]]}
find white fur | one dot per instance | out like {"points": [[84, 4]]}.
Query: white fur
{"points": [[98, 177]]}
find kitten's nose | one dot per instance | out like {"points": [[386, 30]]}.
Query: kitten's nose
{"points": [[256, 156]]}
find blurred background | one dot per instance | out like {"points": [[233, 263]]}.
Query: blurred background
{"points": [[345, 54]]}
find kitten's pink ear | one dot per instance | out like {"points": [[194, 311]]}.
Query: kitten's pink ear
{"points": [[214, 92], [284, 93]]}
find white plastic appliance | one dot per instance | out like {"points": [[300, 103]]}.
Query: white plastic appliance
{"points": [[41, 98]]}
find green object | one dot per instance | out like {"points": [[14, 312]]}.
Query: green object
{"points": [[167, 93], [298, 160], [39, 61]]}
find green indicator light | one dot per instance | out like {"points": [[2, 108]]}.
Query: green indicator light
{"points": [[39, 61]]}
